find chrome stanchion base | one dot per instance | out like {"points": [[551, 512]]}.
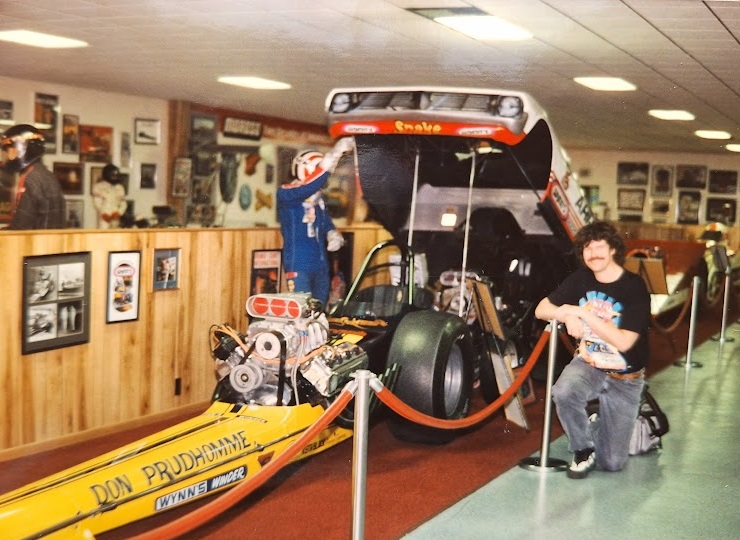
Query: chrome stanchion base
{"points": [[723, 339], [535, 464], [688, 364]]}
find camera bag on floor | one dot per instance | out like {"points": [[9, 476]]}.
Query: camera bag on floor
{"points": [[651, 425]]}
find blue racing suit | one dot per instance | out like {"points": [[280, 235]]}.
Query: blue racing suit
{"points": [[304, 224]]}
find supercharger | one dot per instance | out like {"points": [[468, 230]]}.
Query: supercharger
{"points": [[285, 356]]}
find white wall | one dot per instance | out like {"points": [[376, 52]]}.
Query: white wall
{"points": [[599, 168], [99, 109]]}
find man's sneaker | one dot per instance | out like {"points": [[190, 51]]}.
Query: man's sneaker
{"points": [[583, 463]]}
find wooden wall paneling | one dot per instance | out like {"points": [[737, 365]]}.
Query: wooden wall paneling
{"points": [[128, 369]]}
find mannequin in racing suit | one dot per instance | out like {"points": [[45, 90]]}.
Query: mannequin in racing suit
{"points": [[307, 229]]}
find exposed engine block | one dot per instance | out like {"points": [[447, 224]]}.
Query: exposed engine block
{"points": [[287, 341]]}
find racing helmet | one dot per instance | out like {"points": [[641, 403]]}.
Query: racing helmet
{"points": [[305, 164], [111, 174], [28, 143]]}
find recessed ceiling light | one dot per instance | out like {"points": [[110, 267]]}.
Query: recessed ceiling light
{"points": [[712, 134], [607, 84], [37, 39], [257, 83], [733, 147], [669, 114], [485, 27], [475, 23]]}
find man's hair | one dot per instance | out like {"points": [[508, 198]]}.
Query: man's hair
{"points": [[600, 230]]}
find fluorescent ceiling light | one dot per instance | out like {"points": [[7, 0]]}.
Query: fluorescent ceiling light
{"points": [[668, 114], [255, 82], [712, 134], [485, 27], [37, 39], [733, 147], [607, 84]]}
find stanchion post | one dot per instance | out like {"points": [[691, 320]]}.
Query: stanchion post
{"points": [[725, 308], [544, 463], [692, 327], [359, 452]]}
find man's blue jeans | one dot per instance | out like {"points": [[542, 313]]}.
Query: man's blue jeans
{"points": [[619, 403]]}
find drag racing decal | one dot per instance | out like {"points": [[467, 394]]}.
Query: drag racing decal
{"points": [[170, 468], [422, 127], [199, 489]]}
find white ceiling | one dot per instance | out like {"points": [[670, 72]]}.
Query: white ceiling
{"points": [[681, 54]]}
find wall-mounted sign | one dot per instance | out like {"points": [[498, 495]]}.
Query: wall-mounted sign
{"points": [[242, 129]]}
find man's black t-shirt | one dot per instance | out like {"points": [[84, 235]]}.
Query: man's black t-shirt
{"points": [[625, 301]]}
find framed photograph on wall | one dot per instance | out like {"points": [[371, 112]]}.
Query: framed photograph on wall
{"points": [[691, 176], [125, 149], [69, 176], [687, 209], [632, 173], [75, 209], [661, 180], [148, 178], [721, 210], [70, 134], [630, 199], [96, 143], [124, 277], [56, 299], [182, 177], [724, 182], [46, 119], [166, 273], [266, 271], [147, 131]]}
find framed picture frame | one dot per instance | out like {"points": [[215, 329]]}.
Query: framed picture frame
{"points": [[46, 119], [75, 209], [266, 271], [630, 199], [96, 143], [632, 173], [125, 149], [56, 300], [147, 131], [687, 209], [124, 279], [148, 176], [70, 134], [69, 176], [181, 177], [691, 176], [661, 180], [723, 182], [721, 210], [166, 269]]}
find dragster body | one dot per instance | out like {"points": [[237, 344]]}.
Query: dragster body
{"points": [[443, 169], [212, 452]]}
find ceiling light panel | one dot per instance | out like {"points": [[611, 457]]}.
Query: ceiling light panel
{"points": [[671, 114], [606, 84], [37, 39], [476, 24], [712, 134], [256, 83]]}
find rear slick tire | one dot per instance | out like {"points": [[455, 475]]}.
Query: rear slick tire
{"points": [[434, 352]]}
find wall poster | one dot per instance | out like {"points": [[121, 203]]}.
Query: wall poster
{"points": [[124, 278], [266, 271]]}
